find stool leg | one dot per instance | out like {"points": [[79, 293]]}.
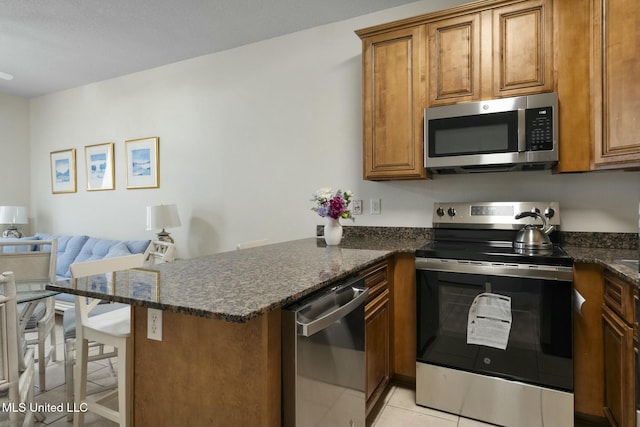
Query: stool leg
{"points": [[54, 352], [42, 362], [80, 378], [124, 382], [69, 348]]}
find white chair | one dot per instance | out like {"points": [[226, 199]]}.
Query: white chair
{"points": [[112, 329], [33, 263], [158, 252], [19, 385]]}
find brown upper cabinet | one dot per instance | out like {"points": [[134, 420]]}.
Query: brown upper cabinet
{"points": [[616, 97], [585, 50], [393, 88], [486, 49], [500, 52]]}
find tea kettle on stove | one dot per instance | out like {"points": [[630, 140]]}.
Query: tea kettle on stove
{"points": [[533, 238]]}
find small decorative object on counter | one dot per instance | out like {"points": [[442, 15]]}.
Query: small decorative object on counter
{"points": [[332, 206]]}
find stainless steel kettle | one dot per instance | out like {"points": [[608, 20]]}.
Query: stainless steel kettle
{"points": [[533, 238]]}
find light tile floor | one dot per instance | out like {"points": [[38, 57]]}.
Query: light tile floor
{"points": [[397, 409]]}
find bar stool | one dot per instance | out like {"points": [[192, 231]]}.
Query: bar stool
{"points": [[112, 329]]}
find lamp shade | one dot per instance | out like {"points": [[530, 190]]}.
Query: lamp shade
{"points": [[162, 216], [13, 215]]}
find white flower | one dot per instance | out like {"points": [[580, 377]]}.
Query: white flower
{"points": [[324, 193]]}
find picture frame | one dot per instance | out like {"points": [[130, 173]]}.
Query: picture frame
{"points": [[144, 284], [99, 166], [63, 171], [142, 163]]}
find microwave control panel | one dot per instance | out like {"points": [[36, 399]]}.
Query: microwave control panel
{"points": [[539, 125]]}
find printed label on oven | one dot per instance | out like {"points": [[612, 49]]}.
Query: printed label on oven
{"points": [[489, 321]]}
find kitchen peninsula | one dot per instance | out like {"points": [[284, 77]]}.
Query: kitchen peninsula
{"points": [[219, 359]]}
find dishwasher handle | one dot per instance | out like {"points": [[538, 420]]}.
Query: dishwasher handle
{"points": [[316, 325]]}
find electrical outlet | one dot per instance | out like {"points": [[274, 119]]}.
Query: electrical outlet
{"points": [[154, 324], [374, 206], [357, 207]]}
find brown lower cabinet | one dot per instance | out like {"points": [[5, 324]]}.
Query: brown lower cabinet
{"points": [[620, 345], [605, 345], [377, 315], [390, 325]]}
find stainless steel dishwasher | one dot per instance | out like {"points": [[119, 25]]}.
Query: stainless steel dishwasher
{"points": [[323, 371]]}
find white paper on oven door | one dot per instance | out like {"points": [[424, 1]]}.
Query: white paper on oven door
{"points": [[489, 321]]}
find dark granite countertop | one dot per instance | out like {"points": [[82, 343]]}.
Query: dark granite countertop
{"points": [[240, 285], [608, 258]]}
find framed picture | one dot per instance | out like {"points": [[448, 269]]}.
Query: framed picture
{"points": [[144, 284], [142, 163], [99, 165], [63, 171]]}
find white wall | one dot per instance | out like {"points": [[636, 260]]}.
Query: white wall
{"points": [[247, 135], [14, 146]]}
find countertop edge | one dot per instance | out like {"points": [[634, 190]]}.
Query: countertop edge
{"points": [[608, 259]]}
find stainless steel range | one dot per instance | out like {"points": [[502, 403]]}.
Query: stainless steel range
{"points": [[494, 332]]}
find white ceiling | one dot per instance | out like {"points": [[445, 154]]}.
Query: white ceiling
{"points": [[52, 45]]}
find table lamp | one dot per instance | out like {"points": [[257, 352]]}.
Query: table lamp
{"points": [[163, 216], [13, 215]]}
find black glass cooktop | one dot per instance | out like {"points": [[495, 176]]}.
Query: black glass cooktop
{"points": [[489, 246]]}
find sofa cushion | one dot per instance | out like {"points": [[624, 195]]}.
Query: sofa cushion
{"points": [[137, 246], [95, 249], [68, 249], [22, 248]]}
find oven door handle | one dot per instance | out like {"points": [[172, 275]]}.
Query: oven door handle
{"points": [[527, 271]]}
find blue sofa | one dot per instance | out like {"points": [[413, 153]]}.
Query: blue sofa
{"points": [[84, 248]]}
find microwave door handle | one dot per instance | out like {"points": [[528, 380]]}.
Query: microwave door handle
{"points": [[522, 132]]}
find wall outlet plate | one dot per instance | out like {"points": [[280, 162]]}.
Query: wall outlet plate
{"points": [[154, 324], [357, 207], [374, 206]]}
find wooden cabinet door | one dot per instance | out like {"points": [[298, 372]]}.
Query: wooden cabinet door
{"points": [[616, 41], [619, 370], [454, 59], [393, 98], [523, 54], [377, 346]]}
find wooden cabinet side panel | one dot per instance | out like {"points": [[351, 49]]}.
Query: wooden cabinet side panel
{"points": [[587, 342], [393, 103], [572, 20], [617, 66], [404, 318], [207, 372], [523, 54]]}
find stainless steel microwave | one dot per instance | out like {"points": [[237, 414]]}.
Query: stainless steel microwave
{"points": [[507, 134]]}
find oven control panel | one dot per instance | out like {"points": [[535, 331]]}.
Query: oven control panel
{"points": [[492, 214]]}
